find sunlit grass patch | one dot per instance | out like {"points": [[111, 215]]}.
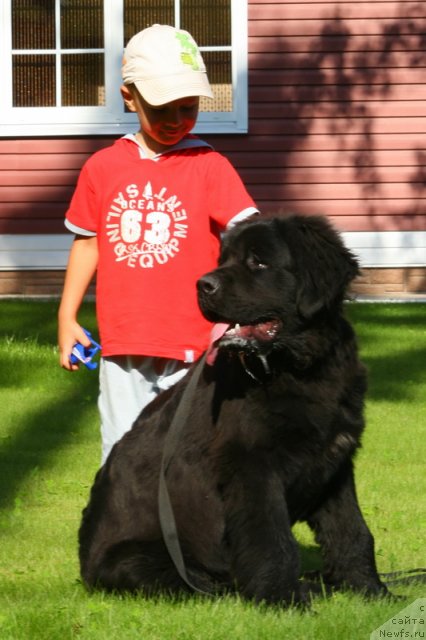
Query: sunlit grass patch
{"points": [[50, 450]]}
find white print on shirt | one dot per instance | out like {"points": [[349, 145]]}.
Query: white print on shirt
{"points": [[146, 227]]}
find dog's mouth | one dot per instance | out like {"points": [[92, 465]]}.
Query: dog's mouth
{"points": [[264, 331], [250, 337]]}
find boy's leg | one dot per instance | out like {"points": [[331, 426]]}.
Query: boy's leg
{"points": [[127, 385]]}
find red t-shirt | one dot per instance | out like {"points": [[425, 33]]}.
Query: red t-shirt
{"points": [[157, 224]]}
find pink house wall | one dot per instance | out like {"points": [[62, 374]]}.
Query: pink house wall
{"points": [[337, 122]]}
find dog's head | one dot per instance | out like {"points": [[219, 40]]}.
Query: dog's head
{"points": [[276, 274]]}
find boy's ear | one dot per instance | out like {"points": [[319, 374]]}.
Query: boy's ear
{"points": [[128, 98]]}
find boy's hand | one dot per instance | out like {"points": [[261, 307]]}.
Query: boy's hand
{"points": [[69, 333], [81, 267]]}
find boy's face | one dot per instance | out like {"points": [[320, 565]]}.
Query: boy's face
{"points": [[166, 124]]}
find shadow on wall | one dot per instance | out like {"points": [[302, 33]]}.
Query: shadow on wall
{"points": [[357, 98]]}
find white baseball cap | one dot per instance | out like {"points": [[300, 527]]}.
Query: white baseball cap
{"points": [[165, 64]]}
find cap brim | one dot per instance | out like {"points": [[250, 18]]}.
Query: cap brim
{"points": [[158, 91]]}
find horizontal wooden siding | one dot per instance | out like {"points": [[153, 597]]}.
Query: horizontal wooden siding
{"points": [[337, 124], [337, 105]]}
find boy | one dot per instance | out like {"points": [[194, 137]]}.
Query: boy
{"points": [[147, 213]]}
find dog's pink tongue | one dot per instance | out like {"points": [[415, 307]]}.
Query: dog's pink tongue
{"points": [[216, 333]]}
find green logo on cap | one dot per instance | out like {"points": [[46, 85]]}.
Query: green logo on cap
{"points": [[189, 50]]}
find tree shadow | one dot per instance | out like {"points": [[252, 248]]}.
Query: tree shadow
{"points": [[38, 437], [310, 557], [368, 78], [337, 86], [27, 319], [393, 346]]}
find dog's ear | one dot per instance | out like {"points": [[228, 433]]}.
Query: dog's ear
{"points": [[325, 266]]}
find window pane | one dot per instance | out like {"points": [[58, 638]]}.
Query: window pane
{"points": [[139, 14], [83, 80], [33, 24], [34, 81], [219, 70], [208, 22], [82, 24]]}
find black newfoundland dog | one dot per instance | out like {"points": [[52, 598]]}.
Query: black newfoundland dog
{"points": [[265, 438]]}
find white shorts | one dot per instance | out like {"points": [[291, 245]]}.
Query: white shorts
{"points": [[127, 385]]}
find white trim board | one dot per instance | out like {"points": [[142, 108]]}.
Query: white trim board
{"points": [[388, 248], [24, 252], [373, 248]]}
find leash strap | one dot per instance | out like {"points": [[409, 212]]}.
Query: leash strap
{"points": [[167, 519], [405, 576]]}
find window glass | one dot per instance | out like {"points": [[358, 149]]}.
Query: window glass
{"points": [[82, 24], [139, 14], [83, 80], [34, 81], [37, 25], [219, 69], [33, 24], [208, 22]]}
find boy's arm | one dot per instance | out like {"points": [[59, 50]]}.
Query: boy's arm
{"points": [[82, 263]]}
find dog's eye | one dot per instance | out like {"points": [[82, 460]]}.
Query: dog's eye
{"points": [[255, 263]]}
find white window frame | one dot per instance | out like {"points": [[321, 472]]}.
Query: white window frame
{"points": [[51, 121]]}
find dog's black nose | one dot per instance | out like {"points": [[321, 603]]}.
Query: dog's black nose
{"points": [[208, 284]]}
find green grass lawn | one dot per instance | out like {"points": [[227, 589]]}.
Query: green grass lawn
{"points": [[50, 450]]}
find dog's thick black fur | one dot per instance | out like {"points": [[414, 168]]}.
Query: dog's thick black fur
{"points": [[269, 440]]}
